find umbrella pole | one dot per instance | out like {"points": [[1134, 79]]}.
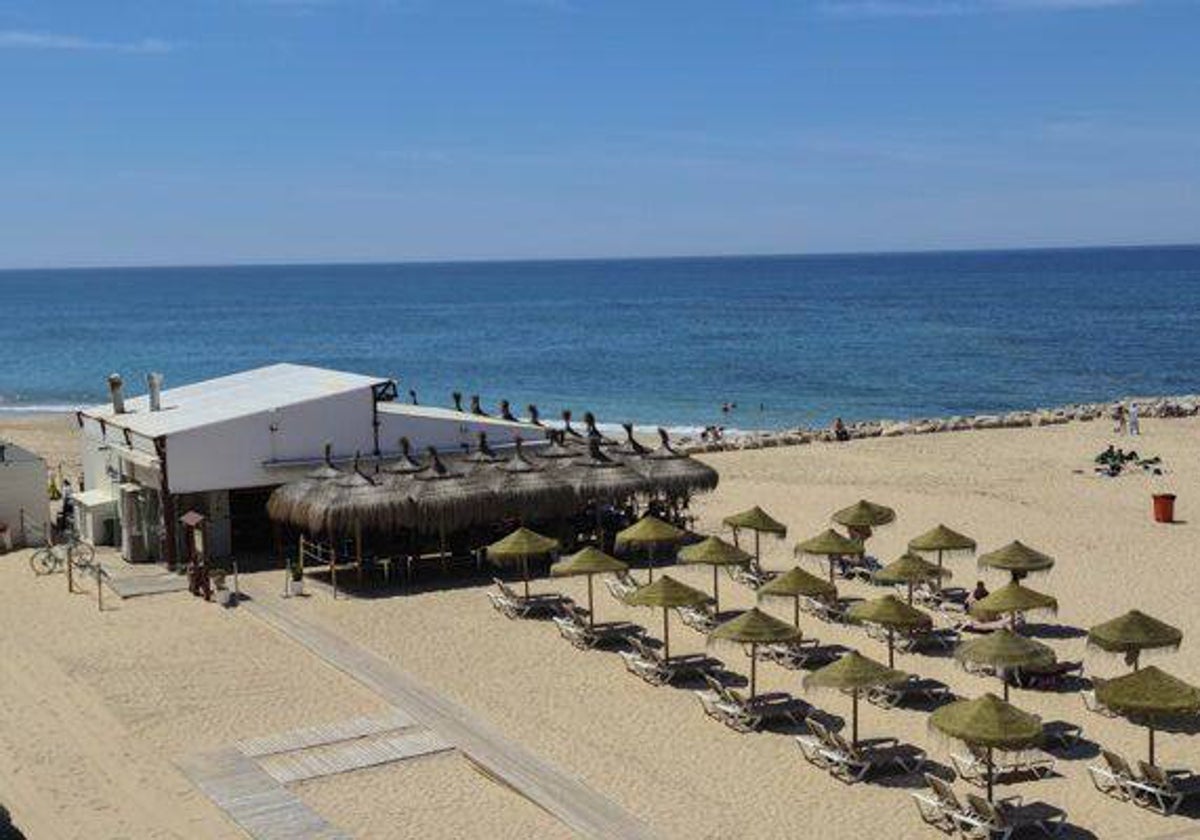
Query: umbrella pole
{"points": [[891, 648], [358, 550], [1151, 746], [591, 609], [757, 557], [989, 772], [716, 593], [651, 558], [735, 538], [666, 634], [1004, 682], [796, 615], [525, 574], [910, 586], [753, 668], [854, 719]]}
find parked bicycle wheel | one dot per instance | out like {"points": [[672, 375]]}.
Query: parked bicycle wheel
{"points": [[82, 555], [44, 561]]}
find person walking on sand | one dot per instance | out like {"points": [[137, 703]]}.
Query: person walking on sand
{"points": [[1119, 416], [1135, 428]]}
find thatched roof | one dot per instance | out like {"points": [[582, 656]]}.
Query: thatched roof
{"points": [[755, 627], [891, 612], [756, 519], [1013, 598], [853, 672], [284, 502], [864, 514], [1018, 558], [674, 473], [1005, 649], [1134, 632], [940, 538], [630, 448], [528, 490], [448, 500], [557, 454], [596, 477]]}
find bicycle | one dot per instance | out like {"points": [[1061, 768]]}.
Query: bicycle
{"points": [[52, 557]]}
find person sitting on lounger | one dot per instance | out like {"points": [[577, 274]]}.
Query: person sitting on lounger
{"points": [[977, 594], [839, 430]]}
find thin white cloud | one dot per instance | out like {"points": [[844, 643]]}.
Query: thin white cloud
{"points": [[957, 8], [26, 40]]}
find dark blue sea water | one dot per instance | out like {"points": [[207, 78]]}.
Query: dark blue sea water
{"points": [[663, 341]]}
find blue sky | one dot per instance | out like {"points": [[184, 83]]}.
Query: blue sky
{"points": [[211, 131]]}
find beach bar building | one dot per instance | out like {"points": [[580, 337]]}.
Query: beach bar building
{"points": [[220, 446]]}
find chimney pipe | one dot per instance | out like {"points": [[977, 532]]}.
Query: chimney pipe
{"points": [[114, 390], [154, 386]]}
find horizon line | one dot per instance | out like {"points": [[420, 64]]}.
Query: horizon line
{"points": [[437, 261]]}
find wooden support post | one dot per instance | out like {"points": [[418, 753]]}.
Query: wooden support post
{"points": [[99, 586], [70, 574], [333, 570]]}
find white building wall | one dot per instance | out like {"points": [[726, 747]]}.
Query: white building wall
{"points": [[231, 455], [22, 488]]}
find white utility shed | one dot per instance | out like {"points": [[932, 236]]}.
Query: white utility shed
{"points": [[24, 505]]}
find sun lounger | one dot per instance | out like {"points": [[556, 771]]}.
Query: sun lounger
{"points": [[914, 688], [833, 612], [799, 654], [1114, 777], [649, 664], [700, 619], [1001, 819], [850, 763], [621, 585], [1062, 733], [584, 636], [939, 806], [1092, 703], [744, 714], [1162, 790], [968, 624], [943, 638], [510, 604], [751, 575], [1045, 679], [941, 598], [972, 765]]}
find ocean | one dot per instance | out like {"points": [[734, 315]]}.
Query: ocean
{"points": [[783, 341]]}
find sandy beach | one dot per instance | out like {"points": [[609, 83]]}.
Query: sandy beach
{"points": [[100, 707]]}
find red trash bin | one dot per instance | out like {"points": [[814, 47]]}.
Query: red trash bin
{"points": [[1164, 507]]}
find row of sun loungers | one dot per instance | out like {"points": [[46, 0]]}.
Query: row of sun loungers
{"points": [[647, 663], [512, 605], [573, 626], [744, 714], [1148, 786], [804, 653], [853, 763], [921, 689], [975, 817], [972, 765]]}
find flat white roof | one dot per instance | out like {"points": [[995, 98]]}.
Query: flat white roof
{"points": [[433, 412], [229, 397]]}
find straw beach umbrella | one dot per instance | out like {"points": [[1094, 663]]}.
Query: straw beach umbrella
{"points": [[1132, 633], [1150, 696], [909, 569], [590, 561], [942, 540], [715, 552], [990, 723], [892, 614], [557, 455], [1013, 599], [797, 584], [673, 473], [862, 516], [854, 673], [667, 593], [521, 546], [1005, 649], [830, 544], [1018, 559], [649, 534], [760, 522], [755, 627]]}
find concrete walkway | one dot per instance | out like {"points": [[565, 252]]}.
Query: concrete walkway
{"points": [[566, 797]]}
